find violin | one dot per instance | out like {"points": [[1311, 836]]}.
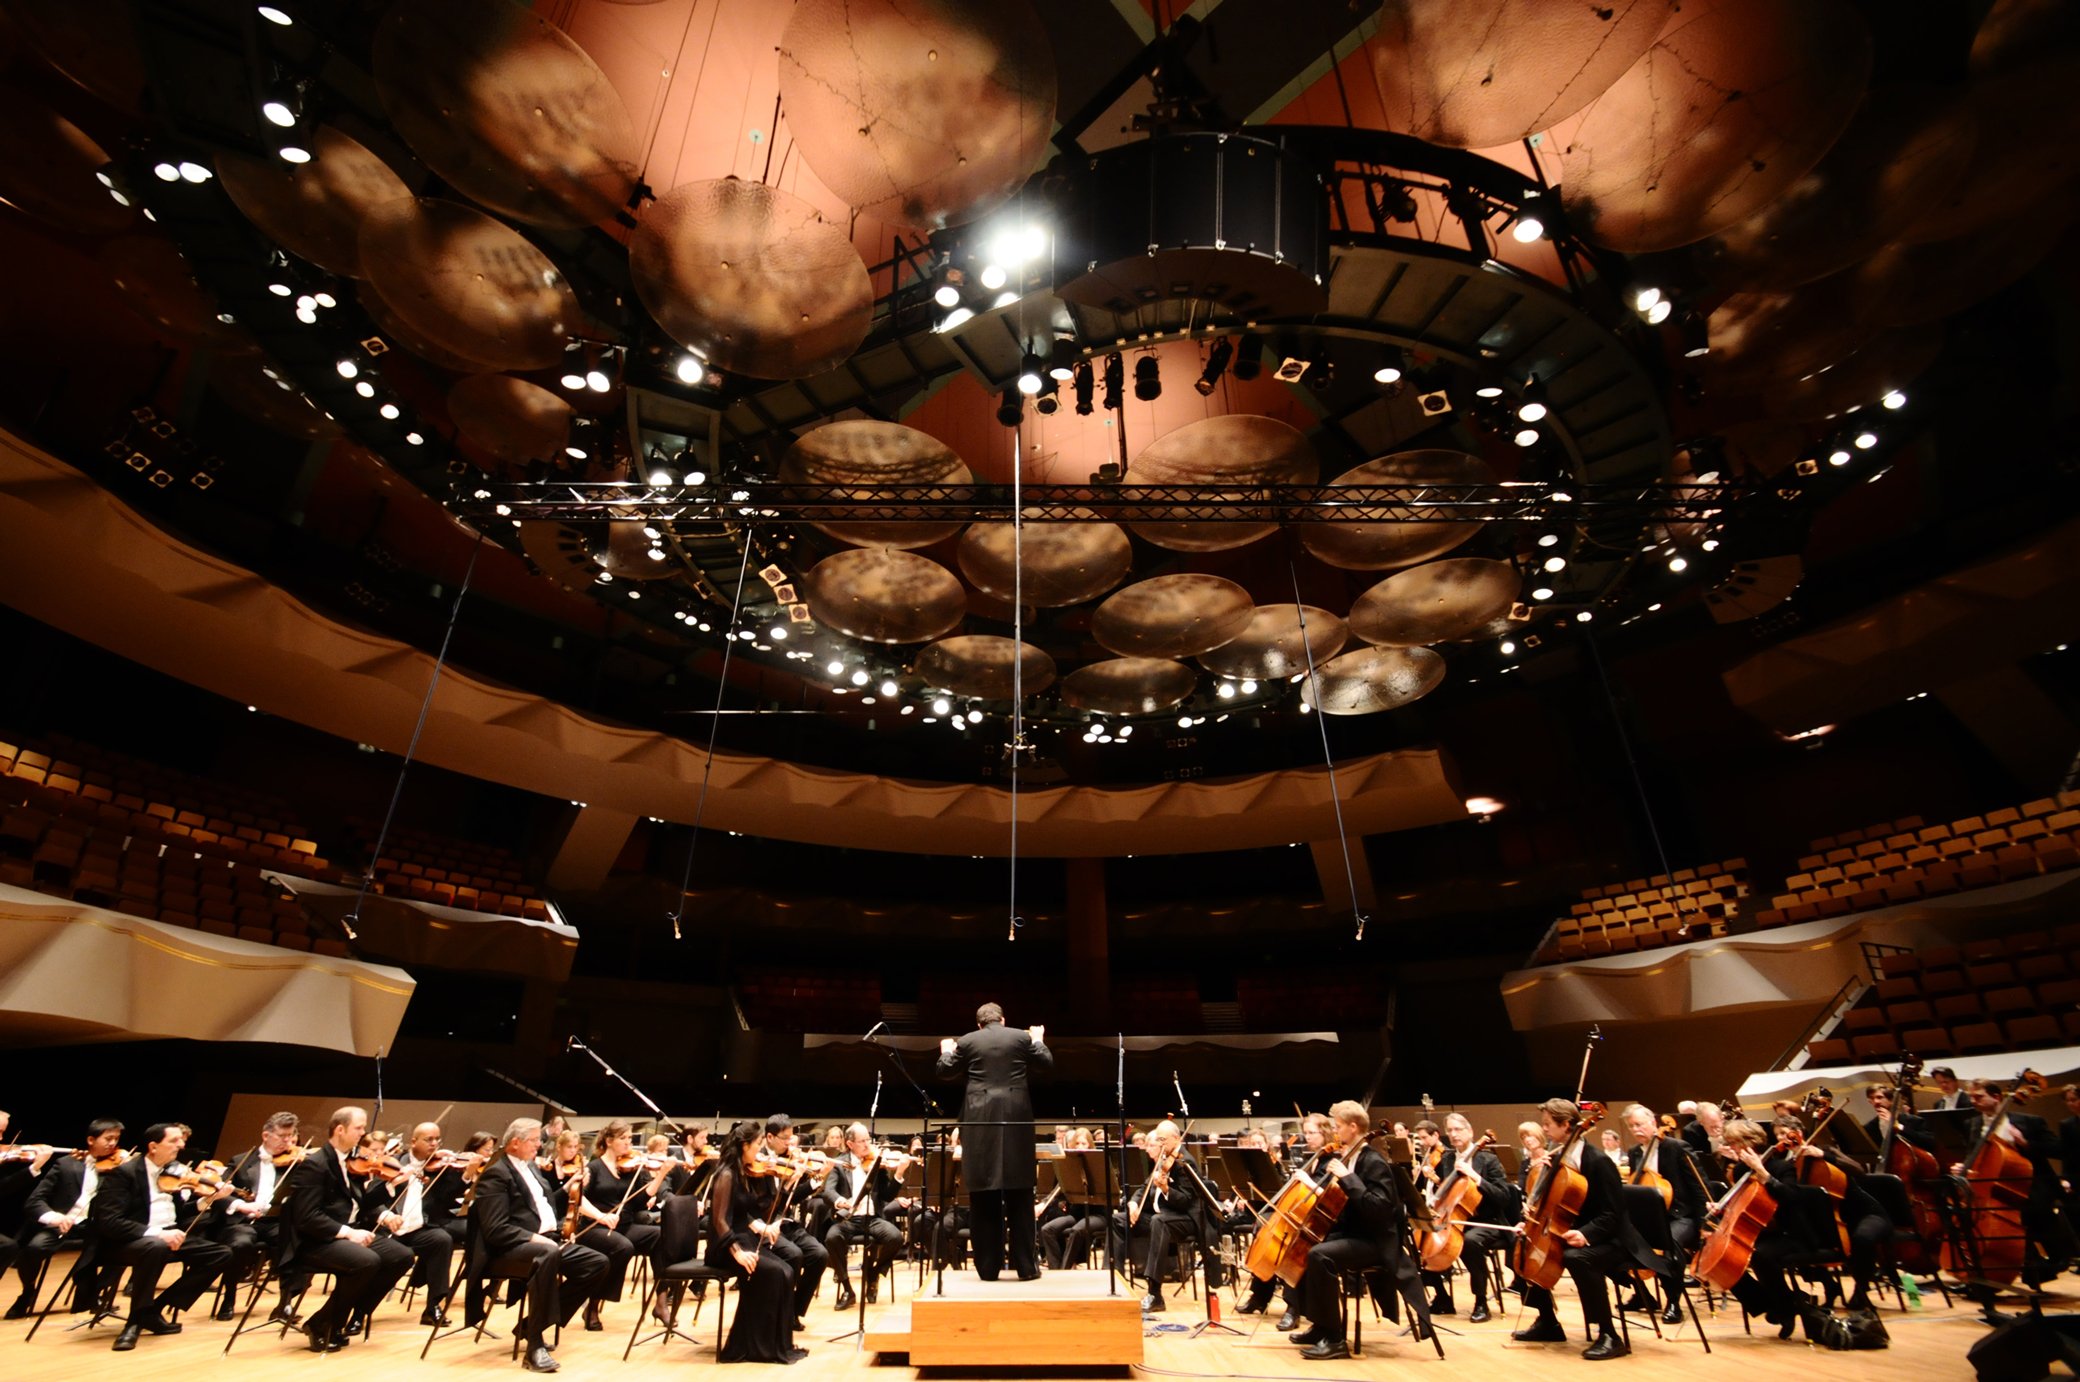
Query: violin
{"points": [[383, 1165], [288, 1157], [103, 1164], [1160, 1175], [641, 1161], [204, 1179], [29, 1151], [1818, 1170]]}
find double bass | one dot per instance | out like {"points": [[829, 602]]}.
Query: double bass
{"points": [[1818, 1108], [1457, 1196], [1552, 1207], [1918, 1172], [1997, 1179]]}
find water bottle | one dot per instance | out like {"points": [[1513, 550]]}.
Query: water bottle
{"points": [[1910, 1289]]}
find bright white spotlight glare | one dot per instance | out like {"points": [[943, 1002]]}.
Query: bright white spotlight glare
{"points": [[1527, 229], [778, 633], [688, 369], [1527, 437], [1226, 691], [166, 172], [1488, 391], [292, 153], [947, 295], [1583, 616], [275, 16], [1386, 374], [860, 678], [1839, 458], [1127, 730], [659, 478], [889, 688], [834, 667], [193, 172], [281, 290], [1508, 647], [347, 369], [655, 554], [278, 113], [1549, 539], [955, 318], [1894, 399], [696, 477], [1556, 563], [365, 389], [1003, 299], [325, 300], [1531, 411], [1029, 382], [597, 381], [1544, 592], [1660, 311], [414, 438], [1184, 722], [1678, 564], [993, 276], [1866, 440], [576, 453], [1645, 298], [941, 706], [974, 717], [1249, 688]]}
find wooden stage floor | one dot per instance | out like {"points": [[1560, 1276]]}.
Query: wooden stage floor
{"points": [[1927, 1346]]}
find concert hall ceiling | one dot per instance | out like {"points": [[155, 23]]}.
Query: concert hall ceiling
{"points": [[1096, 388]]}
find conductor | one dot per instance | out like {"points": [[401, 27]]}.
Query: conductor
{"points": [[996, 1135]]}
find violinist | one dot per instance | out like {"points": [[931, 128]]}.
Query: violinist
{"points": [[1369, 1232], [449, 1174], [1669, 1159], [864, 1184], [58, 1207], [322, 1203], [2069, 1154], [741, 1239], [144, 1226], [792, 1242], [2032, 1137], [519, 1215], [19, 1167], [1314, 1136], [243, 1221], [1601, 1243], [1491, 1221], [615, 1212], [1173, 1205], [397, 1203], [697, 1162], [566, 1157]]}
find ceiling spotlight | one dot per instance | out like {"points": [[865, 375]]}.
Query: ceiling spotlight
{"points": [[1556, 563], [974, 717], [1508, 647], [993, 276], [1049, 402], [860, 677], [1488, 391], [954, 318], [347, 369], [596, 379], [278, 113], [166, 172], [325, 300], [1184, 722], [1019, 245], [1696, 335], [1549, 539], [275, 16], [193, 172], [389, 411], [1678, 564], [941, 706], [1839, 457], [1866, 440], [1085, 383], [1894, 400], [655, 554], [1527, 229], [1226, 691], [778, 633], [365, 389], [1526, 437], [690, 369], [1249, 356], [281, 290], [1643, 300], [1544, 592], [948, 293], [294, 153], [1710, 544], [1011, 409], [575, 452], [1386, 374], [1583, 616], [835, 667], [1115, 379], [1148, 379], [1483, 806], [660, 476], [1533, 408], [1660, 312], [1216, 365], [1029, 375], [889, 688], [415, 438]]}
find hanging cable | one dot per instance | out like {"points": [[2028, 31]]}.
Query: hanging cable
{"points": [[1018, 659], [1639, 784], [1350, 875], [368, 875], [700, 807]]}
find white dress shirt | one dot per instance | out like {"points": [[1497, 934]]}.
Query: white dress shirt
{"points": [[161, 1219], [78, 1213], [550, 1222]]}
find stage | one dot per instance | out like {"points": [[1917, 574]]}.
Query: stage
{"points": [[1927, 1345], [1064, 1319]]}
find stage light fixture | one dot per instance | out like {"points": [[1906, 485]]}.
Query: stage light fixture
{"points": [[1678, 565], [275, 16], [1526, 437], [1011, 409], [941, 706], [1556, 564], [1643, 299], [390, 412], [1029, 375], [993, 277], [1249, 357], [1115, 380], [1660, 312], [1216, 365], [1508, 648], [347, 369], [1866, 440], [690, 369], [294, 153], [1544, 592], [948, 293], [1696, 335], [1549, 539], [1533, 408], [1386, 374], [1894, 400], [1050, 401], [1086, 383], [1528, 228], [1583, 616], [889, 688], [1834, 457], [1148, 379], [955, 318]]}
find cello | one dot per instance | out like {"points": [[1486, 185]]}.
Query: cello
{"points": [[1919, 1174], [1743, 1214], [1299, 1216], [1457, 1197], [1554, 1203], [1997, 1180]]}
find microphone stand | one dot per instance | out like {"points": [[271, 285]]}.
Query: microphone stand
{"points": [[866, 1266], [655, 1112], [1207, 1202], [930, 1110], [1112, 1250]]}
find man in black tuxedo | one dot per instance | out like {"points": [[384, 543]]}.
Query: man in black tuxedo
{"points": [[144, 1228], [998, 1165], [1602, 1242], [322, 1208], [245, 1223], [860, 1201], [1174, 1206], [2032, 1137], [56, 1211], [1669, 1159], [2069, 1153], [1702, 1132], [1494, 1218], [519, 1217], [1370, 1232], [1949, 1093]]}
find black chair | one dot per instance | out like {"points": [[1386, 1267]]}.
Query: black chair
{"points": [[1891, 1196], [1356, 1286], [517, 1284], [1650, 1217], [82, 1277], [676, 1262]]}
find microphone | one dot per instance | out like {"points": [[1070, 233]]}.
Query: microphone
{"points": [[570, 1044], [873, 1029]]}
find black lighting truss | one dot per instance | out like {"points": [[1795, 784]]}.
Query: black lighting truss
{"points": [[759, 501]]}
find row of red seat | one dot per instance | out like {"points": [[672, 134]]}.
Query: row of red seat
{"points": [[1992, 993]]}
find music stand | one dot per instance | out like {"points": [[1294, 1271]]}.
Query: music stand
{"points": [[1082, 1172], [1847, 1136], [1402, 1164], [944, 1169]]}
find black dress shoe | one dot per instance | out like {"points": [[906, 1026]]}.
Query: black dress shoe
{"points": [[433, 1317], [1327, 1348], [1308, 1337], [1441, 1306], [1022, 1276], [126, 1340], [319, 1341], [801, 1324], [1152, 1303], [1640, 1303], [846, 1300], [1251, 1306], [1288, 1322], [20, 1310], [1480, 1314], [282, 1314], [1543, 1330], [593, 1325], [1608, 1346], [156, 1323], [227, 1309], [1674, 1313], [871, 1290], [538, 1359]]}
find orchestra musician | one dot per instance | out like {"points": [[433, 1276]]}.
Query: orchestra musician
{"points": [[1491, 1221], [144, 1227], [1802, 1229], [1949, 1092], [1175, 1208], [58, 1206], [1429, 1151], [1704, 1133], [2030, 1136], [1602, 1242], [1669, 1158], [1912, 1129], [1370, 1232], [448, 1187], [2069, 1156], [740, 1237], [1065, 1237], [791, 1240], [998, 1170], [698, 1162], [250, 1225], [860, 1190], [1314, 1136], [519, 1227], [1860, 1215], [614, 1214], [321, 1210]]}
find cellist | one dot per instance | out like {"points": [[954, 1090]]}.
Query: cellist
{"points": [[1669, 1158], [2032, 1137], [1792, 1233], [1497, 1209], [1861, 1217], [1368, 1233], [1602, 1241], [1314, 1136]]}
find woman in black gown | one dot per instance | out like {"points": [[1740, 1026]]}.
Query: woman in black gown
{"points": [[615, 1214], [740, 1243]]}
